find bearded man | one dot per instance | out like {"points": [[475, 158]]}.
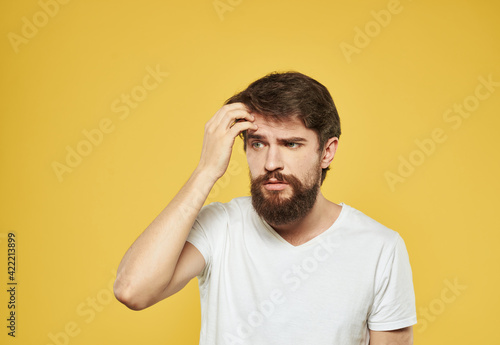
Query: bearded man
{"points": [[286, 265]]}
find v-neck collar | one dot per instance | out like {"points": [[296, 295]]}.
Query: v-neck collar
{"points": [[312, 241]]}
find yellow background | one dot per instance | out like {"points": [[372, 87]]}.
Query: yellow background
{"points": [[71, 234]]}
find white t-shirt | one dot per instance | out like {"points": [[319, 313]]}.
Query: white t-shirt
{"points": [[257, 288]]}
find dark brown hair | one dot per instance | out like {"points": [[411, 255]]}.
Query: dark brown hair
{"points": [[281, 95]]}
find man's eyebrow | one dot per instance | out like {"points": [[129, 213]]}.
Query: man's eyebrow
{"points": [[292, 140], [255, 136], [281, 140]]}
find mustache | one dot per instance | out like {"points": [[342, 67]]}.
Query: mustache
{"points": [[274, 174]]}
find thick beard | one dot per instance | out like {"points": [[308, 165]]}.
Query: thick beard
{"points": [[277, 210]]}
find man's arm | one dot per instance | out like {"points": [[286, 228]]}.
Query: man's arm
{"points": [[403, 336], [160, 261]]}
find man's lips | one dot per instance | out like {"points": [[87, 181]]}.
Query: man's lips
{"points": [[274, 184]]}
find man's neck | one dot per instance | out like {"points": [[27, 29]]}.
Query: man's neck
{"points": [[321, 217]]}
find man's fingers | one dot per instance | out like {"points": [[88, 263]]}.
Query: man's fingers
{"points": [[235, 116], [229, 113], [230, 118], [220, 132], [242, 118], [242, 126]]}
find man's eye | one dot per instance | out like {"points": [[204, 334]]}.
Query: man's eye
{"points": [[292, 145], [257, 145]]}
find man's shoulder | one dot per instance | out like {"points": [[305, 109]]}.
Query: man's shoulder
{"points": [[240, 202], [235, 206], [358, 222]]}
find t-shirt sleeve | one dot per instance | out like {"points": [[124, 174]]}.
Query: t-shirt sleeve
{"points": [[206, 232], [394, 301]]}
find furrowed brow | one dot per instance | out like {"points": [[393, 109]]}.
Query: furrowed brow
{"points": [[281, 141], [255, 136], [292, 140]]}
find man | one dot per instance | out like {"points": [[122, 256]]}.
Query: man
{"points": [[286, 265]]}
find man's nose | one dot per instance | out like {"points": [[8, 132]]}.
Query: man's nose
{"points": [[274, 160]]}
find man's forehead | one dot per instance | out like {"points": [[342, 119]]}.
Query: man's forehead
{"points": [[268, 124]]}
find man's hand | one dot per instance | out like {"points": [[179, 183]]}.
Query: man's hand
{"points": [[220, 132]]}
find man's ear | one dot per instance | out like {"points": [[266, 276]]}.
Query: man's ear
{"points": [[329, 152]]}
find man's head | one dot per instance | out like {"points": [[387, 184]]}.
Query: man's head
{"points": [[282, 96], [291, 150]]}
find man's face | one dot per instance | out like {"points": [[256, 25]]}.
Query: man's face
{"points": [[285, 169]]}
